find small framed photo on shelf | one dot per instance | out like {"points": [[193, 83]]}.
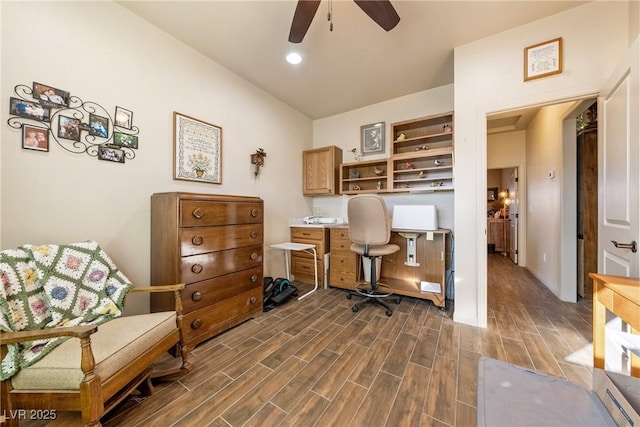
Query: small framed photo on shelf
{"points": [[35, 138], [110, 154], [98, 125], [197, 148], [125, 140], [69, 128], [29, 110], [372, 138], [124, 118], [50, 96], [543, 59]]}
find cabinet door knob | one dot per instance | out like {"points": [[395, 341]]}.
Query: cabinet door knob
{"points": [[253, 234], [252, 300], [196, 296], [198, 213], [196, 324], [254, 256], [197, 240], [253, 278], [196, 268], [254, 212]]}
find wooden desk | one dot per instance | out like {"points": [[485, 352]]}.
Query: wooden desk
{"points": [[621, 296], [433, 255]]}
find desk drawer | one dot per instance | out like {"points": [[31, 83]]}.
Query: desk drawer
{"points": [[208, 292], [195, 213], [307, 233], [196, 268], [198, 240], [302, 269]]}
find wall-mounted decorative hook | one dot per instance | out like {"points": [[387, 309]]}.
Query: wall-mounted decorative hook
{"points": [[257, 159]]}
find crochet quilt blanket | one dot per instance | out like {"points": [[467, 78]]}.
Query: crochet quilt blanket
{"points": [[48, 286]]}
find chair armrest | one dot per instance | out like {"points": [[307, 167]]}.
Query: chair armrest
{"points": [[80, 331], [161, 288]]}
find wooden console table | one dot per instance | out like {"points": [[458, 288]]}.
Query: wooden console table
{"points": [[621, 296]]}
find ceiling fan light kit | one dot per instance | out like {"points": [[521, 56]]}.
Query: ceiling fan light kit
{"points": [[381, 12]]}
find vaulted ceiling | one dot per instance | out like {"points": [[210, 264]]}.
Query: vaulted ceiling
{"points": [[355, 65]]}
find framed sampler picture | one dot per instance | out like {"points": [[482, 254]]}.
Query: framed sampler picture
{"points": [[197, 150], [543, 59]]}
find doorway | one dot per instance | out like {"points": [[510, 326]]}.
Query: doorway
{"points": [[541, 149], [503, 204]]}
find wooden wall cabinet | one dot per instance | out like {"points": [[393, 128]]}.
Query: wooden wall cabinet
{"points": [[422, 154], [321, 171], [301, 261], [344, 266], [213, 244]]}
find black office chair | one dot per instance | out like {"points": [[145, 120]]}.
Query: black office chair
{"points": [[370, 231]]}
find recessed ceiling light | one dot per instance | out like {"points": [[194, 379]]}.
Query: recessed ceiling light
{"points": [[294, 58]]}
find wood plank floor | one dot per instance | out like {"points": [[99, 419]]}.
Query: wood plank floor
{"points": [[316, 363]]}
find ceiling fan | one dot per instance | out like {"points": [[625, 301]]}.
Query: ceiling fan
{"points": [[381, 11]]}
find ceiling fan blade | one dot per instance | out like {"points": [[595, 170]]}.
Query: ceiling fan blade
{"points": [[305, 11], [381, 11]]}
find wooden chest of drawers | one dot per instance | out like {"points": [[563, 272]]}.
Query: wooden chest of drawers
{"points": [[344, 268], [302, 262], [213, 244]]}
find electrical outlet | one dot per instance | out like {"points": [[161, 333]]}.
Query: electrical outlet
{"points": [[544, 257]]}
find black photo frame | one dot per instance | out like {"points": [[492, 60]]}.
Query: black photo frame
{"points": [[69, 128], [98, 126], [110, 154], [29, 109], [123, 118], [35, 138], [125, 140], [50, 96]]}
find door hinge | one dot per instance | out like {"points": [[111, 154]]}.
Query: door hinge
{"points": [[516, 179], [516, 252], [517, 215]]}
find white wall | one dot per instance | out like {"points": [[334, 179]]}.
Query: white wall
{"points": [[101, 52], [343, 130], [488, 79], [544, 197]]}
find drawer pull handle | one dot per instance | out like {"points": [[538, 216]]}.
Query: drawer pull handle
{"points": [[252, 300], [253, 278], [197, 240], [253, 234], [306, 234], [197, 212], [196, 268], [254, 213], [196, 296], [196, 324], [254, 256]]}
